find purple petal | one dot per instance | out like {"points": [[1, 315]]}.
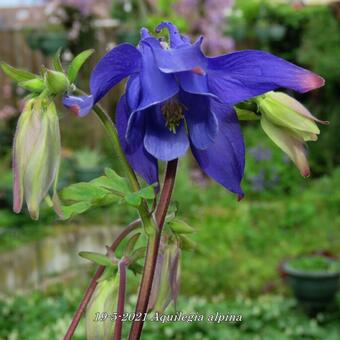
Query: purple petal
{"points": [[176, 39], [202, 123], [241, 75], [156, 86], [194, 83], [140, 160], [159, 141], [224, 159], [80, 106], [133, 92], [188, 57], [135, 128], [116, 65], [144, 33]]}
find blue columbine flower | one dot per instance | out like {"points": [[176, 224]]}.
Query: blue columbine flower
{"points": [[177, 97]]}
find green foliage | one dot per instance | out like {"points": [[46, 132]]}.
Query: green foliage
{"points": [[97, 258], [40, 316], [244, 242], [315, 264], [104, 190], [77, 63], [87, 159], [16, 74]]}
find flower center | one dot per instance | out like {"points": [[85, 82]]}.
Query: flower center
{"points": [[173, 112]]}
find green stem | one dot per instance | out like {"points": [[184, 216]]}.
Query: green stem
{"points": [[149, 224]]}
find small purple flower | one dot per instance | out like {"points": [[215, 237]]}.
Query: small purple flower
{"points": [[177, 98]]}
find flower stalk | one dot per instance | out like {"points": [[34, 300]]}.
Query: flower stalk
{"points": [[93, 284], [153, 249]]}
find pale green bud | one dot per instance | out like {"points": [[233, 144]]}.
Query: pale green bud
{"points": [[56, 82], [289, 124], [36, 154], [165, 284], [285, 111], [101, 308]]}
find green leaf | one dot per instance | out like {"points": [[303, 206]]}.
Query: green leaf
{"points": [[118, 183], [147, 192], [100, 259], [180, 227], [57, 61], [33, 85], [16, 74], [83, 192], [74, 209], [133, 199], [77, 63]]}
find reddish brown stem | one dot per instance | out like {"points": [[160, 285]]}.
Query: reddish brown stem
{"points": [[92, 286], [152, 250]]}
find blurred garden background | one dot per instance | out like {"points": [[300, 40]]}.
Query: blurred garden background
{"points": [[237, 267]]}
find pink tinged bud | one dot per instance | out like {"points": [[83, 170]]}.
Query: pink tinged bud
{"points": [[21, 139], [282, 113], [295, 106], [288, 143], [36, 155]]}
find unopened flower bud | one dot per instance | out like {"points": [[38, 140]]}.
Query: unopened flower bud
{"points": [[165, 284], [36, 154], [289, 124], [56, 82], [102, 306]]}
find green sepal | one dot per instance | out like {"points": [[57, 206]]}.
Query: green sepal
{"points": [[16, 74], [131, 244], [246, 114], [33, 85], [56, 82], [97, 258], [77, 63], [57, 61], [180, 227], [187, 244]]}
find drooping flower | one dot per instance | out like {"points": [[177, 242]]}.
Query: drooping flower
{"points": [[289, 125], [177, 97], [36, 154]]}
